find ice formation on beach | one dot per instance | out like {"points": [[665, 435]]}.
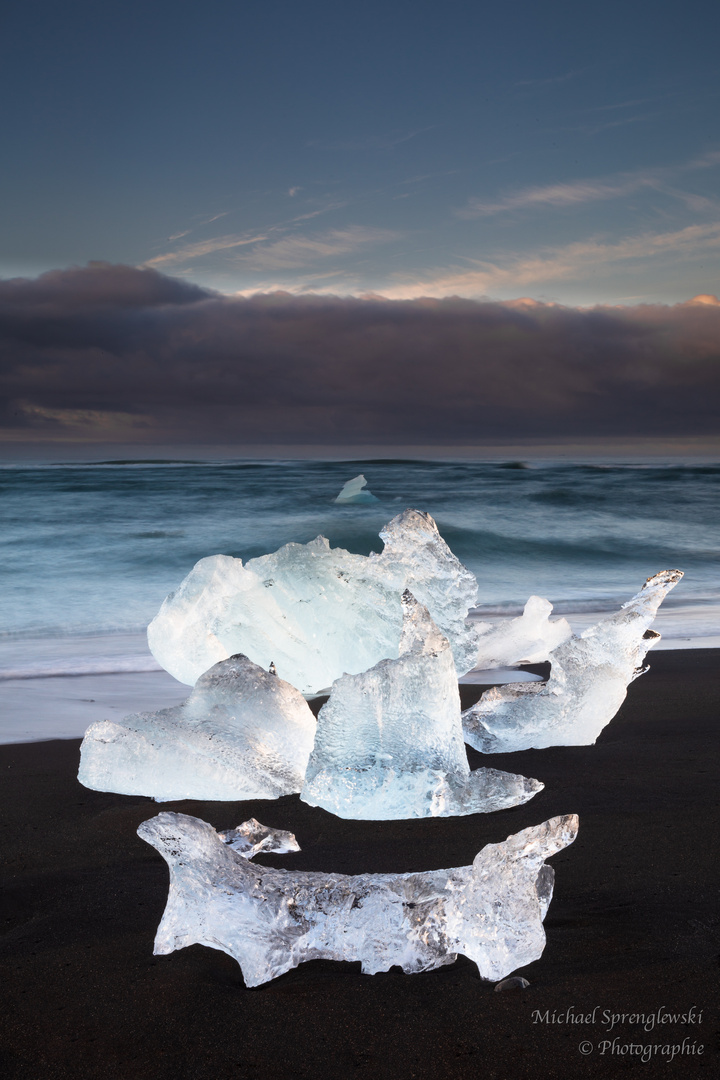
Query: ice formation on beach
{"points": [[587, 685], [242, 734], [272, 920], [316, 611], [251, 837], [529, 639], [353, 492], [389, 741]]}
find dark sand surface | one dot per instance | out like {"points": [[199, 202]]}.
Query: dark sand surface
{"points": [[634, 926]]}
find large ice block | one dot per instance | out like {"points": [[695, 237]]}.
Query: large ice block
{"points": [[242, 734], [272, 920], [587, 685], [315, 611], [389, 742]]}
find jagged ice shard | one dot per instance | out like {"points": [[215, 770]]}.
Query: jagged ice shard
{"points": [[529, 639], [316, 611], [251, 837], [389, 742], [242, 734], [272, 920], [587, 685]]}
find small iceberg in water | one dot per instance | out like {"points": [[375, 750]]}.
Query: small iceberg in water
{"points": [[353, 492]]}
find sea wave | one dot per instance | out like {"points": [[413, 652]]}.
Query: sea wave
{"points": [[97, 547], [115, 665]]}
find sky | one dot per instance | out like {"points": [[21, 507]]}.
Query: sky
{"points": [[377, 154]]}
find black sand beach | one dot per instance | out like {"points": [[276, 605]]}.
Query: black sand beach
{"points": [[634, 926]]}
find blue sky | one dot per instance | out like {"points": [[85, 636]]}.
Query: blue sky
{"points": [[563, 152]]}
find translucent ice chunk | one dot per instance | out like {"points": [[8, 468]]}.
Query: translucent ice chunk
{"points": [[316, 611], [242, 734], [389, 742], [272, 920], [587, 685], [416, 553], [251, 837], [353, 492], [528, 639]]}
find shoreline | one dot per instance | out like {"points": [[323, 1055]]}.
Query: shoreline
{"points": [[53, 707], [85, 678], [632, 928]]}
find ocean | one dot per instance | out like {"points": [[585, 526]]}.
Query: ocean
{"points": [[91, 550]]}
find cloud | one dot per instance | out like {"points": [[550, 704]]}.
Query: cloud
{"points": [[215, 217], [568, 194], [295, 252], [290, 250], [606, 125], [99, 285], [705, 298], [327, 209], [631, 104], [553, 264], [186, 232], [706, 161], [82, 424], [579, 192], [131, 355], [201, 248]]}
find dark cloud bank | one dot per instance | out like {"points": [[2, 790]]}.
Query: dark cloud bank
{"points": [[117, 353]]}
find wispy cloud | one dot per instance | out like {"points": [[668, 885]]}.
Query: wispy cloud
{"points": [[201, 248], [607, 125], [566, 263], [632, 104], [96, 421], [698, 203], [198, 225], [278, 248], [427, 176], [215, 217], [296, 252], [561, 194], [577, 192], [705, 161], [327, 209]]}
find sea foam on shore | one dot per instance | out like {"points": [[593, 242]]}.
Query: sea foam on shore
{"points": [[55, 687]]}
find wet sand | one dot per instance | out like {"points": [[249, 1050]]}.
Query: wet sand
{"points": [[634, 926]]}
